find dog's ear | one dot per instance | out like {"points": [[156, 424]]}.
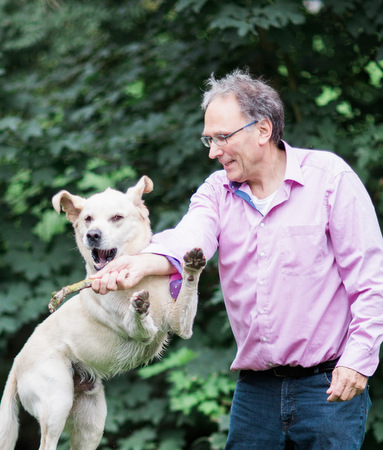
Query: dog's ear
{"points": [[72, 205], [144, 186]]}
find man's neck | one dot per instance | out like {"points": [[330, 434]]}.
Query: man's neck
{"points": [[271, 173]]}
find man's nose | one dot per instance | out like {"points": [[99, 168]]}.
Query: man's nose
{"points": [[215, 150]]}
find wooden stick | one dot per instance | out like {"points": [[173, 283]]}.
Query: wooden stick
{"points": [[58, 297]]}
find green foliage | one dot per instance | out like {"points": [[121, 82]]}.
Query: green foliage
{"points": [[96, 94], [175, 359]]}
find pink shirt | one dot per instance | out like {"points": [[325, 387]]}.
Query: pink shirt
{"points": [[302, 284]]}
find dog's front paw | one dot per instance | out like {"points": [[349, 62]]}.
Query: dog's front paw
{"points": [[140, 302], [195, 259]]}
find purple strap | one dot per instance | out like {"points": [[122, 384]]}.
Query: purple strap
{"points": [[175, 284], [175, 279]]}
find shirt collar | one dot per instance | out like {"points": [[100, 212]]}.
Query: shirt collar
{"points": [[293, 166], [293, 169]]}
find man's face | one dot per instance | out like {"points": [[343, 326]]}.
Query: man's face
{"points": [[241, 153]]}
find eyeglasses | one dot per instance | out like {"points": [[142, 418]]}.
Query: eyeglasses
{"points": [[221, 139]]}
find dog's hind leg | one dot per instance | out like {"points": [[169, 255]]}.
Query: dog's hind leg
{"points": [[184, 309], [48, 396], [51, 429], [87, 418]]}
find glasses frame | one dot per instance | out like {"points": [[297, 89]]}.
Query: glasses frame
{"points": [[207, 140]]}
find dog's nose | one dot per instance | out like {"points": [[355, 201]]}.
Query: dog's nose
{"points": [[93, 237]]}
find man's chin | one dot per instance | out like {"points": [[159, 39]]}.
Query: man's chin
{"points": [[232, 176]]}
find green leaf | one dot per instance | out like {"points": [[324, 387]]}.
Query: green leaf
{"points": [[378, 431], [175, 359], [172, 440], [138, 440], [10, 123], [194, 5], [30, 129], [49, 225], [218, 441]]}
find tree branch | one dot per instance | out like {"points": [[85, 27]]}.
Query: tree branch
{"points": [[59, 296]]}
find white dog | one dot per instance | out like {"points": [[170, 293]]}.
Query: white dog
{"points": [[57, 375]]}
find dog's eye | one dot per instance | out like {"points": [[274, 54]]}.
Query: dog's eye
{"points": [[88, 219], [117, 218]]}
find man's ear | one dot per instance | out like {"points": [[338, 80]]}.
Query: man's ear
{"points": [[72, 205], [265, 129]]}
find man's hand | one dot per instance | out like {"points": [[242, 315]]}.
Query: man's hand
{"points": [[346, 384], [128, 270]]}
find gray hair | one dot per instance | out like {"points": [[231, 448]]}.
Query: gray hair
{"points": [[256, 98]]}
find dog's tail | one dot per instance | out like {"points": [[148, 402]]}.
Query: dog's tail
{"points": [[9, 411]]}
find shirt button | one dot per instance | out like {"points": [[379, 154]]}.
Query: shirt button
{"points": [[262, 254], [261, 282], [261, 224], [264, 339], [262, 311]]}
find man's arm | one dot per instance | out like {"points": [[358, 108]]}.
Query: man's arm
{"points": [[198, 228], [358, 250], [128, 270]]}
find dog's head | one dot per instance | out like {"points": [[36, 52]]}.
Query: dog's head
{"points": [[108, 224]]}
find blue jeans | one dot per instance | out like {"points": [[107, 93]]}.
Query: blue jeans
{"points": [[271, 413]]}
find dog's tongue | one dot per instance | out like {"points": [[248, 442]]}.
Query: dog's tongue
{"points": [[102, 257], [106, 255]]}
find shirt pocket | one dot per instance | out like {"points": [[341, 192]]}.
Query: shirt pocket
{"points": [[303, 248]]}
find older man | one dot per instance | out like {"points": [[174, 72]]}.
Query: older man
{"points": [[301, 269]]}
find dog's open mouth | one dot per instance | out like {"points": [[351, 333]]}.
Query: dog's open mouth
{"points": [[102, 257]]}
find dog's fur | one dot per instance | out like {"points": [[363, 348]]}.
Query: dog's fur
{"points": [[57, 375]]}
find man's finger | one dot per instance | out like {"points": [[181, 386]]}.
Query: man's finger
{"points": [[333, 391], [110, 281], [122, 275], [346, 384], [96, 285]]}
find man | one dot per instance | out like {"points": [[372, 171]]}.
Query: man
{"points": [[301, 269]]}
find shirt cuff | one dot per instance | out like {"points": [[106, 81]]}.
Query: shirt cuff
{"points": [[360, 360]]}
